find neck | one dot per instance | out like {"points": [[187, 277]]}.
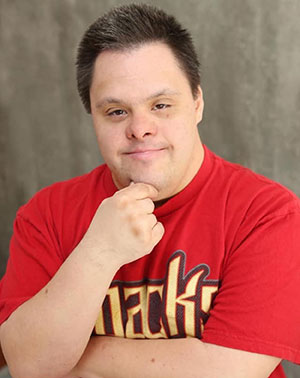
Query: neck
{"points": [[161, 202]]}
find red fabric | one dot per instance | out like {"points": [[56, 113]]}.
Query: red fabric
{"points": [[231, 232]]}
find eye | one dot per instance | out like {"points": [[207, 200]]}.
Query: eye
{"points": [[116, 113], [161, 106]]}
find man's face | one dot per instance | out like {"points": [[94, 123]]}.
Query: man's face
{"points": [[145, 118]]}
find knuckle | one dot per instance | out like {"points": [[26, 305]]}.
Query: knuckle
{"points": [[162, 229], [159, 230], [133, 219], [122, 201], [136, 231], [145, 238], [161, 226], [140, 233], [151, 205], [150, 190], [147, 189], [152, 219], [140, 228]]}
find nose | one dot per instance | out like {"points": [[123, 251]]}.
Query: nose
{"points": [[140, 127]]}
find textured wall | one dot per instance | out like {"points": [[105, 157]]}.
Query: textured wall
{"points": [[250, 56]]}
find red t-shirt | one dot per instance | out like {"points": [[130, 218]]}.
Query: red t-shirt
{"points": [[226, 270]]}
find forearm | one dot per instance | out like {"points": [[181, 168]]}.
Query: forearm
{"points": [[49, 332], [112, 357], [47, 335]]}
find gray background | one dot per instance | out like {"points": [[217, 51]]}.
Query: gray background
{"points": [[250, 56]]}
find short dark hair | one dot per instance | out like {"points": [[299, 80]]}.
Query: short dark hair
{"points": [[129, 26]]}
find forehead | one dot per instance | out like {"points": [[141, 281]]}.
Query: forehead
{"points": [[141, 70]]}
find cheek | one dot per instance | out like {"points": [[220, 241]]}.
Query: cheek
{"points": [[179, 133], [109, 144]]}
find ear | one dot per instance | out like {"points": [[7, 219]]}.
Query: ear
{"points": [[199, 104]]}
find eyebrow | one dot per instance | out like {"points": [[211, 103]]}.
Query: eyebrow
{"points": [[164, 92], [114, 100]]}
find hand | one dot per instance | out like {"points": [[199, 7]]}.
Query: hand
{"points": [[124, 225]]}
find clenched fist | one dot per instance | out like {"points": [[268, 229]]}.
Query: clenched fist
{"points": [[124, 227]]}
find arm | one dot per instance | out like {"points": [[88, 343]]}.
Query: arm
{"points": [[49, 332], [40, 336], [109, 357]]}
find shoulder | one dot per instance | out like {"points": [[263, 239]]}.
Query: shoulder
{"points": [[64, 194], [253, 192]]}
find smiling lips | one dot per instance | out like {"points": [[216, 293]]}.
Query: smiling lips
{"points": [[145, 153]]}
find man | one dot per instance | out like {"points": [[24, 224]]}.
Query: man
{"points": [[166, 262]]}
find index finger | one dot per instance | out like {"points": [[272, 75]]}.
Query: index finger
{"points": [[141, 190]]}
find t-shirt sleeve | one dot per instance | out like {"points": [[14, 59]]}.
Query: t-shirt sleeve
{"points": [[34, 258], [257, 307]]}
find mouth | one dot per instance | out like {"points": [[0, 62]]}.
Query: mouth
{"points": [[145, 153]]}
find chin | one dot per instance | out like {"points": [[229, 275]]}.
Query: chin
{"points": [[154, 183], [162, 188], [159, 182]]}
